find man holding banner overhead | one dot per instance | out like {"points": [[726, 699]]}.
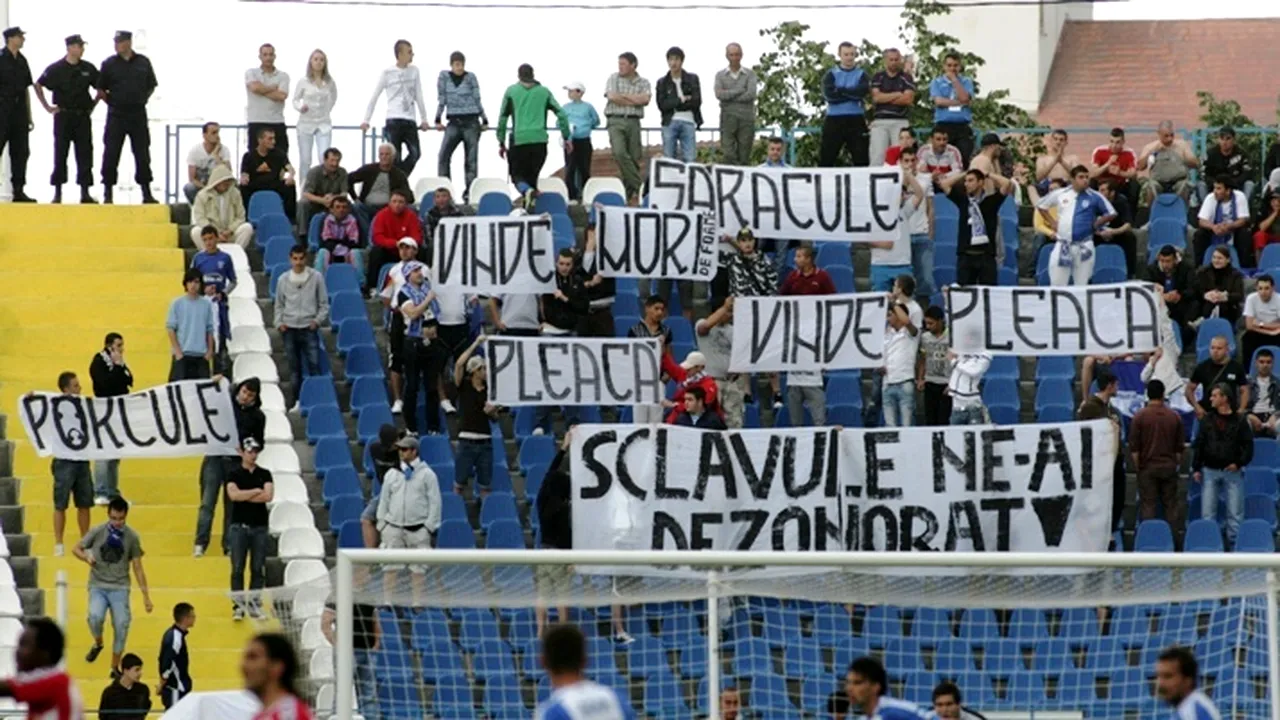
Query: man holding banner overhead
{"points": [[1081, 212]]}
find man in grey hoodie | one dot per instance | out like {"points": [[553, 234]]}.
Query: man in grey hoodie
{"points": [[302, 306]]}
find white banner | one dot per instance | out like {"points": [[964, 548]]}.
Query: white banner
{"points": [[493, 255], [807, 332], [834, 204], [574, 371], [646, 243], [1114, 319], [1023, 488], [181, 419]]}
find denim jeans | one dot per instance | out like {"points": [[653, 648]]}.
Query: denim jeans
{"points": [[403, 132], [969, 415], [899, 403], [248, 542], [117, 601], [474, 455], [302, 348], [106, 478], [1230, 483], [366, 684], [922, 264], [213, 478], [678, 141], [467, 132]]}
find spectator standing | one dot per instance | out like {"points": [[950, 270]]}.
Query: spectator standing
{"points": [[71, 79], [933, 367], [127, 697], [126, 82], [695, 414], [893, 92], [901, 346], [1055, 163], [891, 258], [111, 550], [41, 682], [553, 506], [191, 322], [1155, 442], [1081, 212], [563, 312], [395, 279], [906, 139], [214, 471], [965, 388], [377, 181], [680, 104], [601, 292], [1261, 318], [651, 326], [301, 307], [1096, 407], [1169, 161], [1176, 278], [314, 98], [804, 388], [340, 238], [15, 109], [384, 456], [735, 88], [1223, 446], [1224, 220], [217, 206], [475, 439], [266, 168], [952, 94], [715, 342], [403, 86], [249, 489], [175, 659], [1218, 369], [939, 159], [366, 640], [627, 94], [687, 375], [409, 506], [111, 378], [453, 334], [71, 480], [527, 104], [752, 275], [219, 278], [582, 119], [979, 218], [1119, 229], [1225, 162], [844, 88], [423, 357], [919, 222], [1220, 287], [393, 224], [1268, 225], [516, 314], [458, 90], [203, 157], [322, 185], [1117, 164], [266, 88], [1264, 391]]}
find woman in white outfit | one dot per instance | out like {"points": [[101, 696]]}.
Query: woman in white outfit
{"points": [[314, 99]]}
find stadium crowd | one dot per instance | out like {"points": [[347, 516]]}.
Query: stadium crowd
{"points": [[1088, 216]]}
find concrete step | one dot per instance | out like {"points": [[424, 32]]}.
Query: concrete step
{"points": [[90, 237]]}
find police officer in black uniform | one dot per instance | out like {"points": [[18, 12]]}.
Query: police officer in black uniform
{"points": [[71, 79], [15, 109], [126, 83]]}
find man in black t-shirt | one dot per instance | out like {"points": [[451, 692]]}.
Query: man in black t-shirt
{"points": [[366, 637], [249, 488], [1219, 367], [266, 168], [976, 239]]}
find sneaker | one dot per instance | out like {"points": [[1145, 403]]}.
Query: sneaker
{"points": [[257, 614], [93, 653], [777, 401], [237, 614], [198, 551], [59, 550], [397, 407], [539, 431], [623, 638], [530, 199], [101, 500], [448, 407]]}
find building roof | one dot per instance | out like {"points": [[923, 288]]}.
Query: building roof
{"points": [[1137, 73]]}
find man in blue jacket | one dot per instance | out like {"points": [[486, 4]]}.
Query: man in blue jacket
{"points": [[844, 87]]}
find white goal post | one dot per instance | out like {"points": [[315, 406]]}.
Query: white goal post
{"points": [[918, 580]]}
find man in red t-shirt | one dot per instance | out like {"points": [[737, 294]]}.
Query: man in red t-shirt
{"points": [[392, 223], [807, 278], [1116, 163], [48, 692]]}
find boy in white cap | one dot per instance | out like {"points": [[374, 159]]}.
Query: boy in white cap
{"points": [[394, 281]]}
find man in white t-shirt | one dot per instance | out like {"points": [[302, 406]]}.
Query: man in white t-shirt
{"points": [[1261, 318], [891, 258], [392, 284], [1224, 220], [515, 314], [901, 344], [203, 157], [715, 342], [267, 88]]}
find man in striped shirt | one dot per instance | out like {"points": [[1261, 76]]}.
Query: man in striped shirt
{"points": [[628, 94], [1176, 673]]}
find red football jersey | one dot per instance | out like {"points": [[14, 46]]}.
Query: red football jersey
{"points": [[288, 707], [50, 694]]}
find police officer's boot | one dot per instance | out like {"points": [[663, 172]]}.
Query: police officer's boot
{"points": [[147, 197], [107, 197], [21, 197], [85, 197], [57, 194]]}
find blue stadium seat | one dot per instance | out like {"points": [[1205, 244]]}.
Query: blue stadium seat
{"points": [[832, 254], [435, 450], [1003, 413], [495, 204], [952, 656], [453, 507], [364, 362], [317, 392], [341, 277], [626, 304], [931, 623], [979, 624], [769, 697], [562, 231], [1055, 414], [1103, 276], [277, 250], [1001, 391], [314, 229], [663, 696], [1110, 256], [504, 535], [882, 621], [943, 207], [1042, 264], [1079, 624], [623, 323], [262, 204], [842, 415], [341, 481], [1270, 260], [551, 203], [1153, 536], [1203, 536], [1255, 536], [332, 453], [271, 224], [1260, 507], [456, 535], [344, 305], [537, 449], [502, 692], [1055, 367], [1169, 205], [367, 391], [944, 275], [1004, 367], [452, 696], [1211, 328], [350, 535], [1008, 277], [1166, 231], [1028, 624], [371, 419], [751, 655], [681, 331], [498, 506], [1266, 453], [345, 508], [841, 278], [353, 333], [491, 657], [1261, 481], [1053, 392], [802, 658]]}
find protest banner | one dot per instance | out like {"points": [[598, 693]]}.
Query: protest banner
{"points": [[180, 419], [1023, 488], [1114, 319], [807, 332], [834, 204], [574, 371], [647, 243], [495, 255]]}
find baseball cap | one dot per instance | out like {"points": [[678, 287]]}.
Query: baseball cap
{"points": [[74, 40], [122, 35], [576, 85], [407, 442], [991, 139], [13, 32], [406, 240], [250, 444], [694, 359]]}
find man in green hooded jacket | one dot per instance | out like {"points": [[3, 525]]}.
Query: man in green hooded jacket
{"points": [[527, 104]]}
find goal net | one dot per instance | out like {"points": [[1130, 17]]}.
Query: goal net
{"points": [[1052, 636]]}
